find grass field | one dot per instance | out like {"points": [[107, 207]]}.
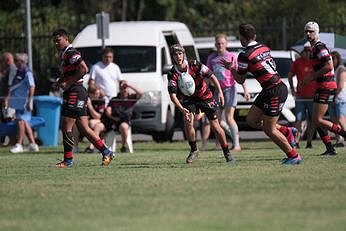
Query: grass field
{"points": [[154, 190]]}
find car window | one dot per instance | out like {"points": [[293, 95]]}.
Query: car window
{"points": [[203, 54], [129, 58], [190, 52]]}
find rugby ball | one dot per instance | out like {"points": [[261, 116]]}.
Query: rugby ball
{"points": [[186, 84]]}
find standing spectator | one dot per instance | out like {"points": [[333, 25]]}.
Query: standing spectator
{"points": [[227, 84], [9, 66], [265, 111], [201, 100], [106, 75], [96, 108], [337, 110], [74, 100], [325, 93], [7, 72], [119, 111], [301, 68], [21, 94]]}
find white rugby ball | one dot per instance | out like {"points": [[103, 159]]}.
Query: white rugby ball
{"points": [[186, 84]]}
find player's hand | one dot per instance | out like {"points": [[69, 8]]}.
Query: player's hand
{"points": [[186, 114], [226, 64]]}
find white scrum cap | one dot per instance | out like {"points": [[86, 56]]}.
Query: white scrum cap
{"points": [[312, 26]]}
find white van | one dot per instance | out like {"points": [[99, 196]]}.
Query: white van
{"points": [[142, 53], [283, 60]]}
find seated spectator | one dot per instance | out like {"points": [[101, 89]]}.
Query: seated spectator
{"points": [[119, 111], [96, 106]]}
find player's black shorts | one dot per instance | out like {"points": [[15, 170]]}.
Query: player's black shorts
{"points": [[324, 96], [272, 100], [209, 107], [74, 102]]}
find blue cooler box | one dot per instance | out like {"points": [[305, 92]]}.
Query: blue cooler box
{"points": [[49, 107]]}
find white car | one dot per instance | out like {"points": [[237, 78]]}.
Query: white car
{"points": [[283, 60]]}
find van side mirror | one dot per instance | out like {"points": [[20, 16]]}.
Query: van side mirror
{"points": [[166, 68]]}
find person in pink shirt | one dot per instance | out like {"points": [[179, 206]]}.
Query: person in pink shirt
{"points": [[227, 83], [301, 68]]}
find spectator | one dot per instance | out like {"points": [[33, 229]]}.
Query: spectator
{"points": [[96, 107], [119, 111], [21, 94], [265, 111], [337, 110], [106, 75], [7, 72], [9, 68], [227, 84], [202, 100], [301, 68], [74, 101]]}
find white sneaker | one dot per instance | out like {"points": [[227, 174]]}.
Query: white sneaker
{"points": [[33, 148], [17, 148]]}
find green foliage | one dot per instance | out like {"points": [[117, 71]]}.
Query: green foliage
{"points": [[153, 189]]}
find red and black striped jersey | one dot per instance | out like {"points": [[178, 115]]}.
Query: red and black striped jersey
{"points": [[320, 56], [70, 59], [199, 72], [257, 60]]}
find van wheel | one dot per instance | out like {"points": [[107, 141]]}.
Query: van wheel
{"points": [[166, 135]]}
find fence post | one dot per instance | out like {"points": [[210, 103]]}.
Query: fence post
{"points": [[28, 32], [284, 33]]}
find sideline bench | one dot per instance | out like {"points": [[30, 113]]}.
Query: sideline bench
{"points": [[10, 128]]}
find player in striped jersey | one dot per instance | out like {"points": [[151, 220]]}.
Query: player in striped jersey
{"points": [[74, 100], [325, 93], [201, 101], [265, 111]]}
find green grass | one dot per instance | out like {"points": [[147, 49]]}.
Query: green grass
{"points": [[154, 190]]}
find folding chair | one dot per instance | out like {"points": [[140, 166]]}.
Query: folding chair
{"points": [[110, 140]]}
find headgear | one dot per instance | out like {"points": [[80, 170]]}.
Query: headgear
{"points": [[177, 47], [312, 26]]}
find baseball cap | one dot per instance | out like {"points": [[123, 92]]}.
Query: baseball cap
{"points": [[312, 26]]}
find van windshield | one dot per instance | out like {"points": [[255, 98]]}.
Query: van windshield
{"points": [[129, 58]]}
